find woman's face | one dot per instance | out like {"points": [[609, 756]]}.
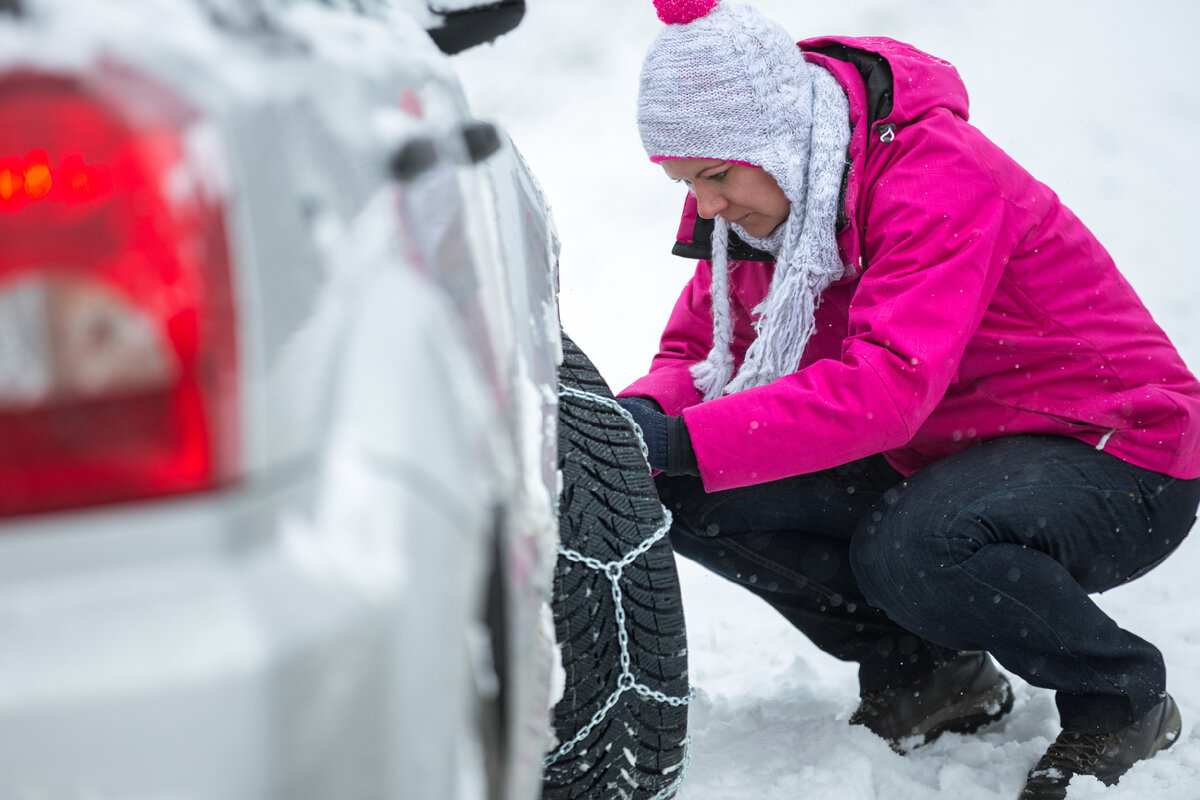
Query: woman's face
{"points": [[745, 195]]}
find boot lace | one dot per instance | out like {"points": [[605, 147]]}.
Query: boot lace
{"points": [[1074, 753]]}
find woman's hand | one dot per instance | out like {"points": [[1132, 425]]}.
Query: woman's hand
{"points": [[667, 441]]}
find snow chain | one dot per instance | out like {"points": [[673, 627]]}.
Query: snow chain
{"points": [[613, 570]]}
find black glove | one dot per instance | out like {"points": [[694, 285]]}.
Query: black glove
{"points": [[666, 438]]}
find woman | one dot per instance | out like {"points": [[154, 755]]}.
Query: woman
{"points": [[907, 398]]}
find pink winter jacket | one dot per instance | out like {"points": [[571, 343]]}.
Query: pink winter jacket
{"points": [[980, 307]]}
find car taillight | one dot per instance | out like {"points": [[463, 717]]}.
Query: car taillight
{"points": [[118, 354]]}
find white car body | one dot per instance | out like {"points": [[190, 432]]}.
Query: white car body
{"points": [[315, 621]]}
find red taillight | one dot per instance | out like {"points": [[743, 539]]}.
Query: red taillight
{"points": [[33, 177], [118, 356]]}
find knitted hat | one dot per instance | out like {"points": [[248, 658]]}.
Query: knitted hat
{"points": [[722, 81]]}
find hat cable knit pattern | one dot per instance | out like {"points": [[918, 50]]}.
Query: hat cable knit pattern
{"points": [[731, 84]]}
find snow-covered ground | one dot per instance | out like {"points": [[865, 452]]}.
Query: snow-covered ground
{"points": [[1099, 101]]}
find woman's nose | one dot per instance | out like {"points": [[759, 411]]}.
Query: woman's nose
{"points": [[709, 203]]}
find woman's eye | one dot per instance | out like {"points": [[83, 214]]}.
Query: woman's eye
{"points": [[718, 177]]}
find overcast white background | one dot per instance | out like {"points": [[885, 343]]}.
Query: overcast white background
{"points": [[1100, 101]]}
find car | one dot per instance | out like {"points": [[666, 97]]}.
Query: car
{"points": [[304, 493]]}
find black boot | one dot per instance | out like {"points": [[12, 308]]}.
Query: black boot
{"points": [[1107, 756], [961, 696]]}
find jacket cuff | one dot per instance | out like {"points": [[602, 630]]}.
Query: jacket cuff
{"points": [[681, 457]]}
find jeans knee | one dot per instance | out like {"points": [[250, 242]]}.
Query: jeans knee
{"points": [[682, 495], [897, 570]]}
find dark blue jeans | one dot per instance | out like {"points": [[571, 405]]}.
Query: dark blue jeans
{"points": [[994, 548]]}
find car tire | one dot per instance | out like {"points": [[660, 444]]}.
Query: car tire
{"points": [[621, 725]]}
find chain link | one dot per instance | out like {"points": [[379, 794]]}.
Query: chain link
{"points": [[614, 571]]}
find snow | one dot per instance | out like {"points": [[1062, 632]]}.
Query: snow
{"points": [[1095, 99]]}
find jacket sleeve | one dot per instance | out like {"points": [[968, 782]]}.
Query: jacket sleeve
{"points": [[685, 341], [936, 232]]}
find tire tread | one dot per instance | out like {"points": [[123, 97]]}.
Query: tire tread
{"points": [[608, 507]]}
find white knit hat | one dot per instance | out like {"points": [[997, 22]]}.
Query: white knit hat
{"points": [[730, 85], [722, 81]]}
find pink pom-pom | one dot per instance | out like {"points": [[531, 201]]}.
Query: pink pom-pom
{"points": [[681, 12]]}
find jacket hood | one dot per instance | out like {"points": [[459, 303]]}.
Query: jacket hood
{"points": [[920, 82]]}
